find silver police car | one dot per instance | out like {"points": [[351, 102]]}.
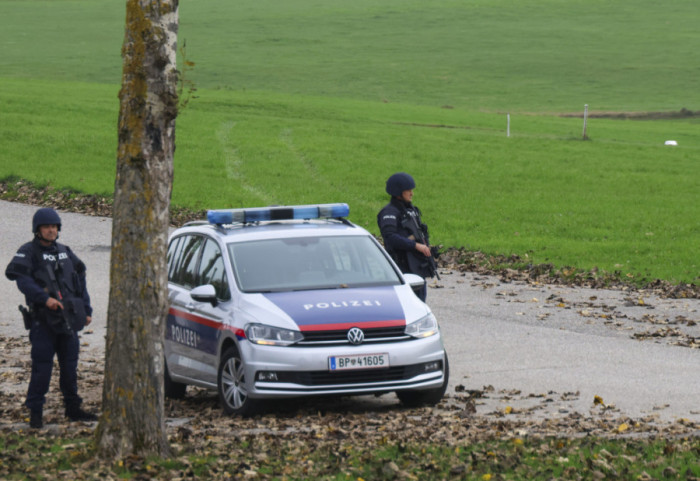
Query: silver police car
{"points": [[295, 301]]}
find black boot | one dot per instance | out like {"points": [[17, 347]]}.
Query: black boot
{"points": [[35, 420], [75, 413]]}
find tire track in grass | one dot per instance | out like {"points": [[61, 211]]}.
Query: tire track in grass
{"points": [[286, 137], [310, 166], [233, 163]]}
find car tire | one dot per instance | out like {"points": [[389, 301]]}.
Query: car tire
{"points": [[172, 389], [233, 393], [417, 398]]}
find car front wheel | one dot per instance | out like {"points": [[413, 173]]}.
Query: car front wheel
{"points": [[231, 384], [416, 398]]}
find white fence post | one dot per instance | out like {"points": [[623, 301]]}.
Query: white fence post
{"points": [[585, 121]]}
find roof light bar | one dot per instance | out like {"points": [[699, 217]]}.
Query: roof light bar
{"points": [[258, 214]]}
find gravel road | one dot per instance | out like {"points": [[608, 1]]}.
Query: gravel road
{"points": [[515, 349]]}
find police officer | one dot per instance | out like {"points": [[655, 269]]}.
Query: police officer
{"points": [[52, 280], [405, 236]]}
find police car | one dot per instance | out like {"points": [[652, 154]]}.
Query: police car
{"points": [[295, 301]]}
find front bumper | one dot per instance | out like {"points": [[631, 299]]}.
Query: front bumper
{"points": [[303, 371]]}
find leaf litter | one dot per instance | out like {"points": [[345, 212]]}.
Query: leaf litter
{"points": [[340, 427], [283, 443]]}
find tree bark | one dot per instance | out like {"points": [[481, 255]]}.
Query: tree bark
{"points": [[133, 420]]}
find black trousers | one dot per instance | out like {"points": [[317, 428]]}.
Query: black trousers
{"points": [[46, 344], [423, 292]]}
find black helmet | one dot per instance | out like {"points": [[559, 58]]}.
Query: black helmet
{"points": [[399, 182], [45, 216]]}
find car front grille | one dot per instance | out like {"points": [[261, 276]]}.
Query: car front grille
{"points": [[372, 335], [359, 376]]}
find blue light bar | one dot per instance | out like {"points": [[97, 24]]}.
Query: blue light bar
{"points": [[259, 214]]}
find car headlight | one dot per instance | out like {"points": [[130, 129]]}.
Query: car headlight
{"points": [[271, 336], [424, 327]]}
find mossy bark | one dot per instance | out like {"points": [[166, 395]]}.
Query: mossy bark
{"points": [[133, 420]]}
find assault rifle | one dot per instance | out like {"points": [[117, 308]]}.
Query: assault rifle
{"points": [[73, 313], [55, 292], [419, 235]]}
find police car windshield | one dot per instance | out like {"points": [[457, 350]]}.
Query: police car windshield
{"points": [[310, 263]]}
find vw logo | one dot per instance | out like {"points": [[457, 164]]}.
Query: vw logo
{"points": [[356, 336]]}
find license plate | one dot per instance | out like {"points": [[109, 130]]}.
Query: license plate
{"points": [[358, 361]]}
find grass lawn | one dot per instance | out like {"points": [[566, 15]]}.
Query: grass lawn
{"points": [[321, 101]]}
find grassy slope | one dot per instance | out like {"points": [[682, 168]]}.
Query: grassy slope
{"points": [[542, 55], [496, 55], [320, 101]]}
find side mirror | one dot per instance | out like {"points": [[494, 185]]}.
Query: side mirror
{"points": [[205, 293], [415, 281]]}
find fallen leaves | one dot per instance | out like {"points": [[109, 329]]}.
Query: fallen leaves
{"points": [[198, 419], [414, 445], [679, 330], [73, 201], [514, 268]]}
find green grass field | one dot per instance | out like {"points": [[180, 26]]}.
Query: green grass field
{"points": [[305, 101]]}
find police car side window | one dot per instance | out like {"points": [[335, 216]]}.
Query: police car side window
{"points": [[172, 256], [185, 272], [212, 270]]}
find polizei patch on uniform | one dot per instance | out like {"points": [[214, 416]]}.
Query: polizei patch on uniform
{"points": [[52, 258], [335, 309]]}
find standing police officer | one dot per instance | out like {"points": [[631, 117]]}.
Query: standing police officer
{"points": [[52, 280], [405, 236]]}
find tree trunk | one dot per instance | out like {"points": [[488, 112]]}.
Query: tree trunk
{"points": [[132, 420]]}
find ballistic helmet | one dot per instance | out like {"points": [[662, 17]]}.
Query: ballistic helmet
{"points": [[399, 182], [45, 216]]}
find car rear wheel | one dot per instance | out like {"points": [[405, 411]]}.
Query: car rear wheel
{"points": [[233, 393], [172, 389], [416, 398]]}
